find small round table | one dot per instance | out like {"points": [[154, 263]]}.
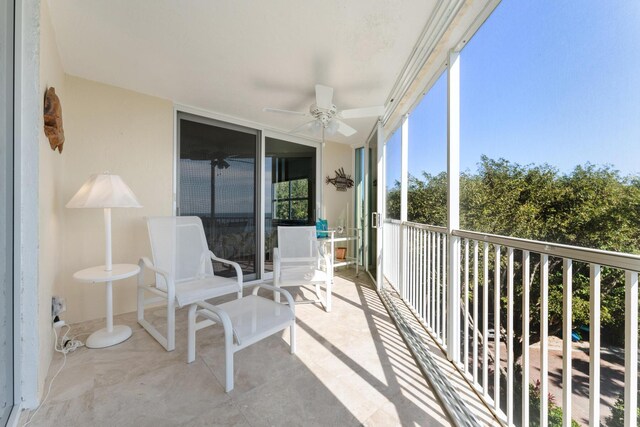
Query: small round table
{"points": [[111, 335]]}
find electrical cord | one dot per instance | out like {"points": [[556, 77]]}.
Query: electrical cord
{"points": [[64, 346]]}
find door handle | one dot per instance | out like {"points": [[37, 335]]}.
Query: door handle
{"points": [[375, 219]]}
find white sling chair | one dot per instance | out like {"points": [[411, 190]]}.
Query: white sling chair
{"points": [[298, 261], [184, 272]]}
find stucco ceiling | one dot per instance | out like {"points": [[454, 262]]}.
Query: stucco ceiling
{"points": [[236, 57]]}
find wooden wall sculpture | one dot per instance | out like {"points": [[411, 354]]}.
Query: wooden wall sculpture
{"points": [[342, 181], [53, 120]]}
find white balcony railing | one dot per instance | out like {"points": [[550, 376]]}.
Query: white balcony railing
{"points": [[416, 265]]}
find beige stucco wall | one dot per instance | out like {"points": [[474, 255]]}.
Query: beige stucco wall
{"points": [[129, 134], [338, 206], [50, 184]]}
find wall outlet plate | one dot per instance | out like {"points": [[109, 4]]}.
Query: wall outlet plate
{"points": [[58, 305]]}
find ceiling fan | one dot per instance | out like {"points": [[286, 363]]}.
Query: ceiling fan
{"points": [[327, 117]]}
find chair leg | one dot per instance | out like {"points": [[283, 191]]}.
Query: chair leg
{"points": [[191, 337], [140, 304], [293, 337], [228, 355], [328, 298], [171, 326]]}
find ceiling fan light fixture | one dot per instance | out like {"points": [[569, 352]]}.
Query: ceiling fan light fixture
{"points": [[327, 117]]}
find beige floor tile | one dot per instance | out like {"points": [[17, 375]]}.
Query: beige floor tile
{"points": [[351, 368]]}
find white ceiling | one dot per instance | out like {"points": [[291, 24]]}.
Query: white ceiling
{"points": [[236, 57]]}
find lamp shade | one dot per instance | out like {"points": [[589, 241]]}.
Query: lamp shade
{"points": [[104, 190]]}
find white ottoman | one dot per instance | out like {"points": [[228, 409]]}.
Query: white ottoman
{"points": [[246, 321]]}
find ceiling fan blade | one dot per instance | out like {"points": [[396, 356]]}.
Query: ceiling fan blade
{"points": [[278, 110], [308, 126], [324, 97], [356, 113], [344, 128]]}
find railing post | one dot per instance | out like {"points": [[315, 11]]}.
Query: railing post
{"points": [[404, 179], [404, 169], [453, 206], [631, 349]]}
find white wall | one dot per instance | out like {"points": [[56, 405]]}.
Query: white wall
{"points": [[50, 213], [338, 205], [129, 134]]}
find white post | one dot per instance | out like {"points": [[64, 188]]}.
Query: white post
{"points": [[525, 337], [631, 349], [567, 297], [594, 343], [404, 169], [107, 239], [453, 206], [109, 292], [510, 340], [108, 266], [544, 341], [404, 238]]}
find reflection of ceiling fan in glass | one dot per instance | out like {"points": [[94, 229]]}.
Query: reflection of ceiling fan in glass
{"points": [[326, 115]]}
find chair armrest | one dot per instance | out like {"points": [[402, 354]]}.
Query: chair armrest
{"points": [[223, 316], [146, 263], [235, 265], [286, 294]]}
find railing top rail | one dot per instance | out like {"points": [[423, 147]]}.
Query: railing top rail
{"points": [[428, 227], [620, 260]]}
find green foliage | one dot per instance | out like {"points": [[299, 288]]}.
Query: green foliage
{"points": [[616, 419], [291, 199], [555, 411], [592, 207]]}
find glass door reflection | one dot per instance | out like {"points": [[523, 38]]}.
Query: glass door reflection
{"points": [[218, 172], [289, 188]]}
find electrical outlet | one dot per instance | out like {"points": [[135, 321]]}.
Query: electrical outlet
{"points": [[58, 306]]}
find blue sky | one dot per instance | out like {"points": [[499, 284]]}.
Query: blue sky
{"points": [[542, 81]]}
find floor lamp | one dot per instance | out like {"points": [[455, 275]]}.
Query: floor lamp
{"points": [[106, 191]]}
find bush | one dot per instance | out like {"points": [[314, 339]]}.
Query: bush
{"points": [[616, 419], [555, 412]]}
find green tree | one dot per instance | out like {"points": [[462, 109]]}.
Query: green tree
{"points": [[616, 419], [590, 207], [292, 200]]}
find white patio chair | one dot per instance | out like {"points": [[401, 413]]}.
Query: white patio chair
{"points": [[184, 271], [299, 261]]}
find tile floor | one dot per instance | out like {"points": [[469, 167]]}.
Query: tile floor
{"points": [[351, 368]]}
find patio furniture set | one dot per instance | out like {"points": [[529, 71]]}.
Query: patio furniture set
{"points": [[184, 277]]}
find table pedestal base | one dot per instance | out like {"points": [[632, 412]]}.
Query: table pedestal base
{"points": [[104, 338]]}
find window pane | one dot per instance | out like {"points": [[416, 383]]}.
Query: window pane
{"points": [[393, 176], [6, 211], [427, 192], [300, 188], [550, 92], [217, 183], [550, 101], [299, 210]]}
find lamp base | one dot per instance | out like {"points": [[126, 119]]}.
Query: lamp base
{"points": [[104, 338]]}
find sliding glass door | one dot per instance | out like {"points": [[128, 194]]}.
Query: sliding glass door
{"points": [[6, 211], [218, 182], [368, 209], [289, 189]]}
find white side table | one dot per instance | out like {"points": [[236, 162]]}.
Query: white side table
{"points": [[111, 335]]}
